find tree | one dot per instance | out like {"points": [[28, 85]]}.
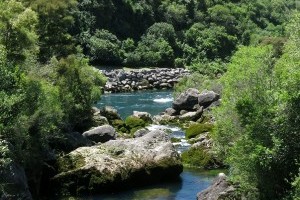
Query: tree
{"points": [[17, 25], [55, 21], [105, 48]]}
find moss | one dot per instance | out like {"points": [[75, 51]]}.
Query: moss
{"points": [[197, 157], [120, 126], [197, 129], [173, 140], [133, 122], [70, 162]]}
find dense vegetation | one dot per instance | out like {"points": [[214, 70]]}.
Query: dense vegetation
{"points": [[257, 125], [47, 85]]}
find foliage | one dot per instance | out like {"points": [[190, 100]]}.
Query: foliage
{"points": [[104, 48], [17, 25], [197, 157], [197, 129], [257, 124]]}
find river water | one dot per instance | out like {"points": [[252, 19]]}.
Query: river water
{"points": [[190, 182]]}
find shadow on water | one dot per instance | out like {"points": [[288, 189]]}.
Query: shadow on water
{"points": [[190, 182]]}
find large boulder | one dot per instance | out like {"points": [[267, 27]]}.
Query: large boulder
{"points": [[186, 100], [206, 98], [118, 164], [221, 189], [101, 134], [13, 181]]}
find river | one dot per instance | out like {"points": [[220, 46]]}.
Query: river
{"points": [[190, 182]]}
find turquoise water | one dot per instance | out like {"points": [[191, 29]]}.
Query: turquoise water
{"points": [[153, 102], [191, 181]]}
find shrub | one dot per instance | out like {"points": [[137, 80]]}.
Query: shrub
{"points": [[197, 129]]}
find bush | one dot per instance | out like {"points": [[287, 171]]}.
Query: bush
{"points": [[197, 129], [197, 157]]}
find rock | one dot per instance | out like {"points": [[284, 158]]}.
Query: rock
{"points": [[192, 116], [143, 115], [182, 112], [110, 113], [207, 97], [73, 141], [13, 180], [101, 134], [221, 189], [97, 119], [118, 164], [171, 111], [163, 119], [140, 133], [186, 100]]}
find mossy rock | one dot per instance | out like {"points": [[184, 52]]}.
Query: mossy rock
{"points": [[70, 162], [197, 157], [120, 126], [197, 129], [132, 122]]}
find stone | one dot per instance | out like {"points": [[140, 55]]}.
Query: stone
{"points": [[118, 164], [192, 116], [110, 113], [97, 119], [171, 111], [101, 134], [221, 189], [186, 100], [140, 133], [206, 98], [143, 115]]}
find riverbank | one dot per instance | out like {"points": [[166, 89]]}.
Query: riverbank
{"points": [[121, 80]]}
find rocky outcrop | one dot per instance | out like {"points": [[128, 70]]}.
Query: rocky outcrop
{"points": [[13, 180], [159, 78], [189, 106], [140, 133], [118, 164], [221, 189], [101, 134]]}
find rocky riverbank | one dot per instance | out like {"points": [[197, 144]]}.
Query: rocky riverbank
{"points": [[116, 164], [160, 78]]}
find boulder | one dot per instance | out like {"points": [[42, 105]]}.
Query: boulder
{"points": [[13, 180], [192, 116], [186, 100], [171, 111], [143, 115], [221, 189], [97, 119], [206, 98], [140, 133], [110, 113], [101, 134], [118, 164]]}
